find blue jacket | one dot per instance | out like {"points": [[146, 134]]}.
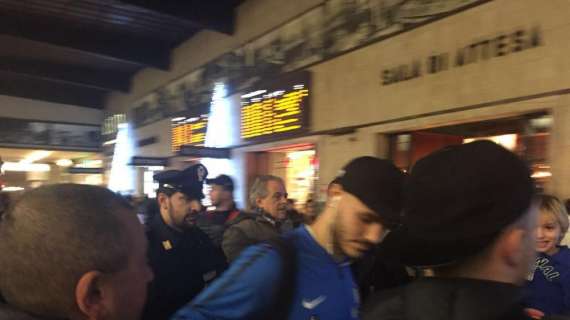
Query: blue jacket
{"points": [[324, 289], [549, 287]]}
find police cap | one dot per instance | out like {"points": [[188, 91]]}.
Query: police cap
{"points": [[189, 181]]}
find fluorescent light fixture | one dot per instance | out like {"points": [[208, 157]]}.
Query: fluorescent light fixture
{"points": [[12, 189], [64, 163], [508, 141], [35, 156], [541, 174], [177, 119], [106, 143], [25, 167], [253, 94]]}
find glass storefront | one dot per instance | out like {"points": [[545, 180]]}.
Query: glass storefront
{"points": [[526, 135]]}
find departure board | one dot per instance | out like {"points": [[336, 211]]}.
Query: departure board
{"points": [[278, 110], [188, 131]]}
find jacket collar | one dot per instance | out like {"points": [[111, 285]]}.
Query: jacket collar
{"points": [[466, 299]]}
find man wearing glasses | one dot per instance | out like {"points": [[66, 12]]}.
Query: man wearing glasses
{"points": [[306, 274]]}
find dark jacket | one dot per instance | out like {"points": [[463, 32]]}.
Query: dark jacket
{"points": [[447, 299], [376, 272], [182, 262], [246, 230], [215, 223]]}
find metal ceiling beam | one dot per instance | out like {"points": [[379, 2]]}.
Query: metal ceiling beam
{"points": [[109, 44], [12, 84], [107, 80], [217, 15]]}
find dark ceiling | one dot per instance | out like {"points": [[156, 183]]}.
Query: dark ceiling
{"points": [[77, 51]]}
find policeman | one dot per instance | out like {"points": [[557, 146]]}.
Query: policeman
{"points": [[182, 257]]}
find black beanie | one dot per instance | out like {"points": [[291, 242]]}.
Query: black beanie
{"points": [[458, 200], [378, 184]]}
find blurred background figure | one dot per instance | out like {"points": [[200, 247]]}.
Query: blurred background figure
{"points": [[548, 288], [215, 222]]}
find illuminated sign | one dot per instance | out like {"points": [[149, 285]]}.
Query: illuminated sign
{"points": [[188, 131], [278, 110]]}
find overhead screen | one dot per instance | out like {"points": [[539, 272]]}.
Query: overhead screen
{"points": [[277, 109], [188, 131]]}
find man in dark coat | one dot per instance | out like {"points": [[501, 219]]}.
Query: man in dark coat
{"points": [[268, 199], [215, 222], [182, 257], [469, 216]]}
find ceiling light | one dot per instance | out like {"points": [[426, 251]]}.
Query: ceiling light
{"points": [[11, 189], [64, 162], [106, 143], [25, 167], [35, 156], [541, 174]]}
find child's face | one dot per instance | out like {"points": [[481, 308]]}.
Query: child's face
{"points": [[547, 233]]}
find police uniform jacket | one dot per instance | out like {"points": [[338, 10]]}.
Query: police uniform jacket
{"points": [[183, 262]]}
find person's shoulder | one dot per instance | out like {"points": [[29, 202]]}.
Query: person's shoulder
{"points": [[243, 220], [256, 260], [563, 255], [387, 304]]}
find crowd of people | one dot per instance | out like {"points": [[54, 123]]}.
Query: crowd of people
{"points": [[464, 235]]}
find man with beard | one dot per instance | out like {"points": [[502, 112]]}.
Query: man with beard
{"points": [[182, 257], [307, 274]]}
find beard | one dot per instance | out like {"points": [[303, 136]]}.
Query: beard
{"points": [[341, 240]]}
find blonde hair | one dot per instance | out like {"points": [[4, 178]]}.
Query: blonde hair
{"points": [[554, 206]]}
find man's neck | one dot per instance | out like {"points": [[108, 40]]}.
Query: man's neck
{"points": [[322, 232], [225, 206]]}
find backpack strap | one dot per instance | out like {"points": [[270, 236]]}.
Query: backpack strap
{"points": [[287, 285]]}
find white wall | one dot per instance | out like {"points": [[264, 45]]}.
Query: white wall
{"points": [[21, 108]]}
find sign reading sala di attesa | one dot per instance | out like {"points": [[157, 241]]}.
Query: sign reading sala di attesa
{"points": [[480, 50]]}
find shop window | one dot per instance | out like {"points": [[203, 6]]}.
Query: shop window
{"points": [[525, 135]]}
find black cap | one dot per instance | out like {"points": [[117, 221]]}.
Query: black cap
{"points": [[189, 181], [458, 200], [222, 180], [378, 184]]}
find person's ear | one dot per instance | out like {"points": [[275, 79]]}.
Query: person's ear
{"points": [[90, 295], [163, 200], [258, 201], [334, 201]]}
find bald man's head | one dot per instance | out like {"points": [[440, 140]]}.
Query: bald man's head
{"points": [[53, 236]]}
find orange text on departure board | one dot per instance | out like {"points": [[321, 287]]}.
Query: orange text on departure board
{"points": [[188, 133], [273, 114]]}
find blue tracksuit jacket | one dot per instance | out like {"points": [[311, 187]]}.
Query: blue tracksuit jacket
{"points": [[325, 289]]}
